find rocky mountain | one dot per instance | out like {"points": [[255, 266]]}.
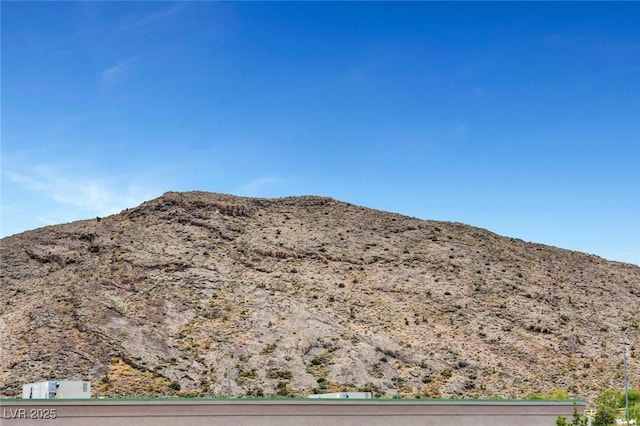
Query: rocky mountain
{"points": [[200, 294]]}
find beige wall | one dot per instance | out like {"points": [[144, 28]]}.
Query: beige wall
{"points": [[283, 412]]}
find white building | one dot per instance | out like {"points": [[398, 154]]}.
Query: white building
{"points": [[342, 395], [57, 389]]}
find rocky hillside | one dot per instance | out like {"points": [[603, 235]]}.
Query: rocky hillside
{"points": [[192, 292]]}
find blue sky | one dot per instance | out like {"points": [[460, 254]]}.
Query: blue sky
{"points": [[521, 118]]}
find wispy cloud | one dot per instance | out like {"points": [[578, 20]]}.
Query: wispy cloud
{"points": [[23, 180], [256, 187], [85, 194], [150, 19], [114, 74]]}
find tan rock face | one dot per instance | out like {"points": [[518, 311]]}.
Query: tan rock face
{"points": [[306, 294]]}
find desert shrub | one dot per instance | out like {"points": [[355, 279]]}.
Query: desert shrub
{"points": [[270, 348], [280, 374], [319, 360]]}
